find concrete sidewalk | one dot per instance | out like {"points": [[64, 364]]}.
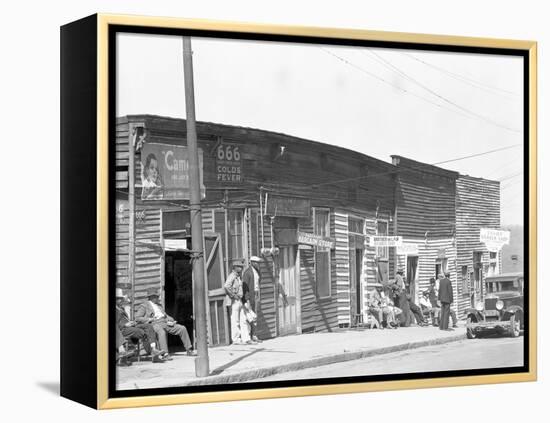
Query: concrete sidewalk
{"points": [[241, 363]]}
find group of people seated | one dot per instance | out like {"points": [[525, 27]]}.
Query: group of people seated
{"points": [[391, 306], [151, 326]]}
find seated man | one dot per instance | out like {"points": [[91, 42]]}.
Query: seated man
{"points": [[426, 306], [132, 330], [405, 317], [152, 312], [416, 311], [374, 305]]}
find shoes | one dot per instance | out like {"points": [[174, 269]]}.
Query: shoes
{"points": [[191, 353], [455, 326], [166, 357], [255, 339], [251, 342], [158, 359], [123, 362]]}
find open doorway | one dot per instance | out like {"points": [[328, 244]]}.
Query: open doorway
{"points": [[178, 291], [412, 276]]}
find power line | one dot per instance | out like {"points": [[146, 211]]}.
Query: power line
{"points": [[479, 154], [486, 119], [465, 79]]}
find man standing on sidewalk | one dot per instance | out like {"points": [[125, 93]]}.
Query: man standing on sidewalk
{"points": [[234, 289], [446, 298], [251, 291]]}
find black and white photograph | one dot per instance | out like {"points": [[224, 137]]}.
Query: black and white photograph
{"points": [[292, 212]]}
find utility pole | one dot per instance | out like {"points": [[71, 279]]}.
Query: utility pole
{"points": [[199, 286]]}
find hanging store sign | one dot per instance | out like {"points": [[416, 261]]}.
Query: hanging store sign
{"points": [[315, 240], [287, 206], [229, 164], [407, 250], [165, 172], [175, 244], [494, 239], [385, 241], [494, 236]]}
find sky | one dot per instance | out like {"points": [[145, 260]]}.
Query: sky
{"points": [[428, 106]]}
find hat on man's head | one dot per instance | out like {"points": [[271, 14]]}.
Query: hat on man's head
{"points": [[255, 258], [152, 292], [400, 271], [238, 263], [426, 293], [432, 280], [119, 293]]}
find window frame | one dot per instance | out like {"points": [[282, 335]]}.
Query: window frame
{"points": [[328, 251]]}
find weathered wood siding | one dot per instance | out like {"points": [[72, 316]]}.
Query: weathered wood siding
{"points": [[427, 256], [318, 315], [477, 206], [341, 265]]}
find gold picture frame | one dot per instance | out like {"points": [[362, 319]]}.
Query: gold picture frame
{"points": [[94, 32]]}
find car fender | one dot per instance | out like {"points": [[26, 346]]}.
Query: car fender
{"points": [[513, 310], [475, 314]]}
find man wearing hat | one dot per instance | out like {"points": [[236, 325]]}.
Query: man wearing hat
{"points": [[133, 330], [234, 289], [445, 297], [251, 290], [152, 312], [399, 281]]}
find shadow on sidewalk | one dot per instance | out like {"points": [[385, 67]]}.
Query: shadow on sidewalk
{"points": [[221, 369]]}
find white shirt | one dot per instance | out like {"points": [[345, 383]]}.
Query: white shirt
{"points": [[425, 301], [158, 312], [256, 280]]}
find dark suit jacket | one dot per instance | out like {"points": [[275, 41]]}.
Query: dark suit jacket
{"points": [[145, 312], [248, 286], [121, 318], [445, 291]]}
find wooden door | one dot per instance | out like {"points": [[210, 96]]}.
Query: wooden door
{"points": [[287, 291], [218, 321], [412, 276], [355, 262]]}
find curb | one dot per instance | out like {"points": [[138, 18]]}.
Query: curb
{"points": [[248, 375]]}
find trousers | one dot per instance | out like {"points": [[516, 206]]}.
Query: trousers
{"points": [[236, 306], [161, 329], [445, 314], [144, 332]]}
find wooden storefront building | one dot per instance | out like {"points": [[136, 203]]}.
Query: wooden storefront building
{"points": [[307, 208], [440, 213]]}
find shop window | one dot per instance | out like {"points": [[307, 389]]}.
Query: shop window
{"points": [[464, 275], [321, 223], [229, 224], [382, 230], [440, 267], [355, 225]]}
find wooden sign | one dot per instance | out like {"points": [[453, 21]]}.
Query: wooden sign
{"points": [[287, 206], [229, 164], [315, 240], [385, 241]]}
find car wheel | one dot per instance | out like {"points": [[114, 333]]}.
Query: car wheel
{"points": [[470, 334], [515, 324]]}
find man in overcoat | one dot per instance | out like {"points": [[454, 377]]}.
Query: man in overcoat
{"points": [[251, 290], [152, 312], [445, 297]]}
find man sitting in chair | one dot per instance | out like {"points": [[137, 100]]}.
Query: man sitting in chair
{"points": [[135, 331], [152, 312]]}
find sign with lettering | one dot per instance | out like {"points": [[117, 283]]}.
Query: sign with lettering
{"points": [[385, 241], [407, 250], [315, 240], [494, 239], [165, 172], [229, 164], [494, 236], [287, 206]]}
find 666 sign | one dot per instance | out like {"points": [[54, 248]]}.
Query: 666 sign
{"points": [[229, 164]]}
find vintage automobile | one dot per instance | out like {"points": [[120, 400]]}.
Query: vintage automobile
{"points": [[501, 311]]}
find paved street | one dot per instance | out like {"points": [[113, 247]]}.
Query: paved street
{"points": [[465, 354]]}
